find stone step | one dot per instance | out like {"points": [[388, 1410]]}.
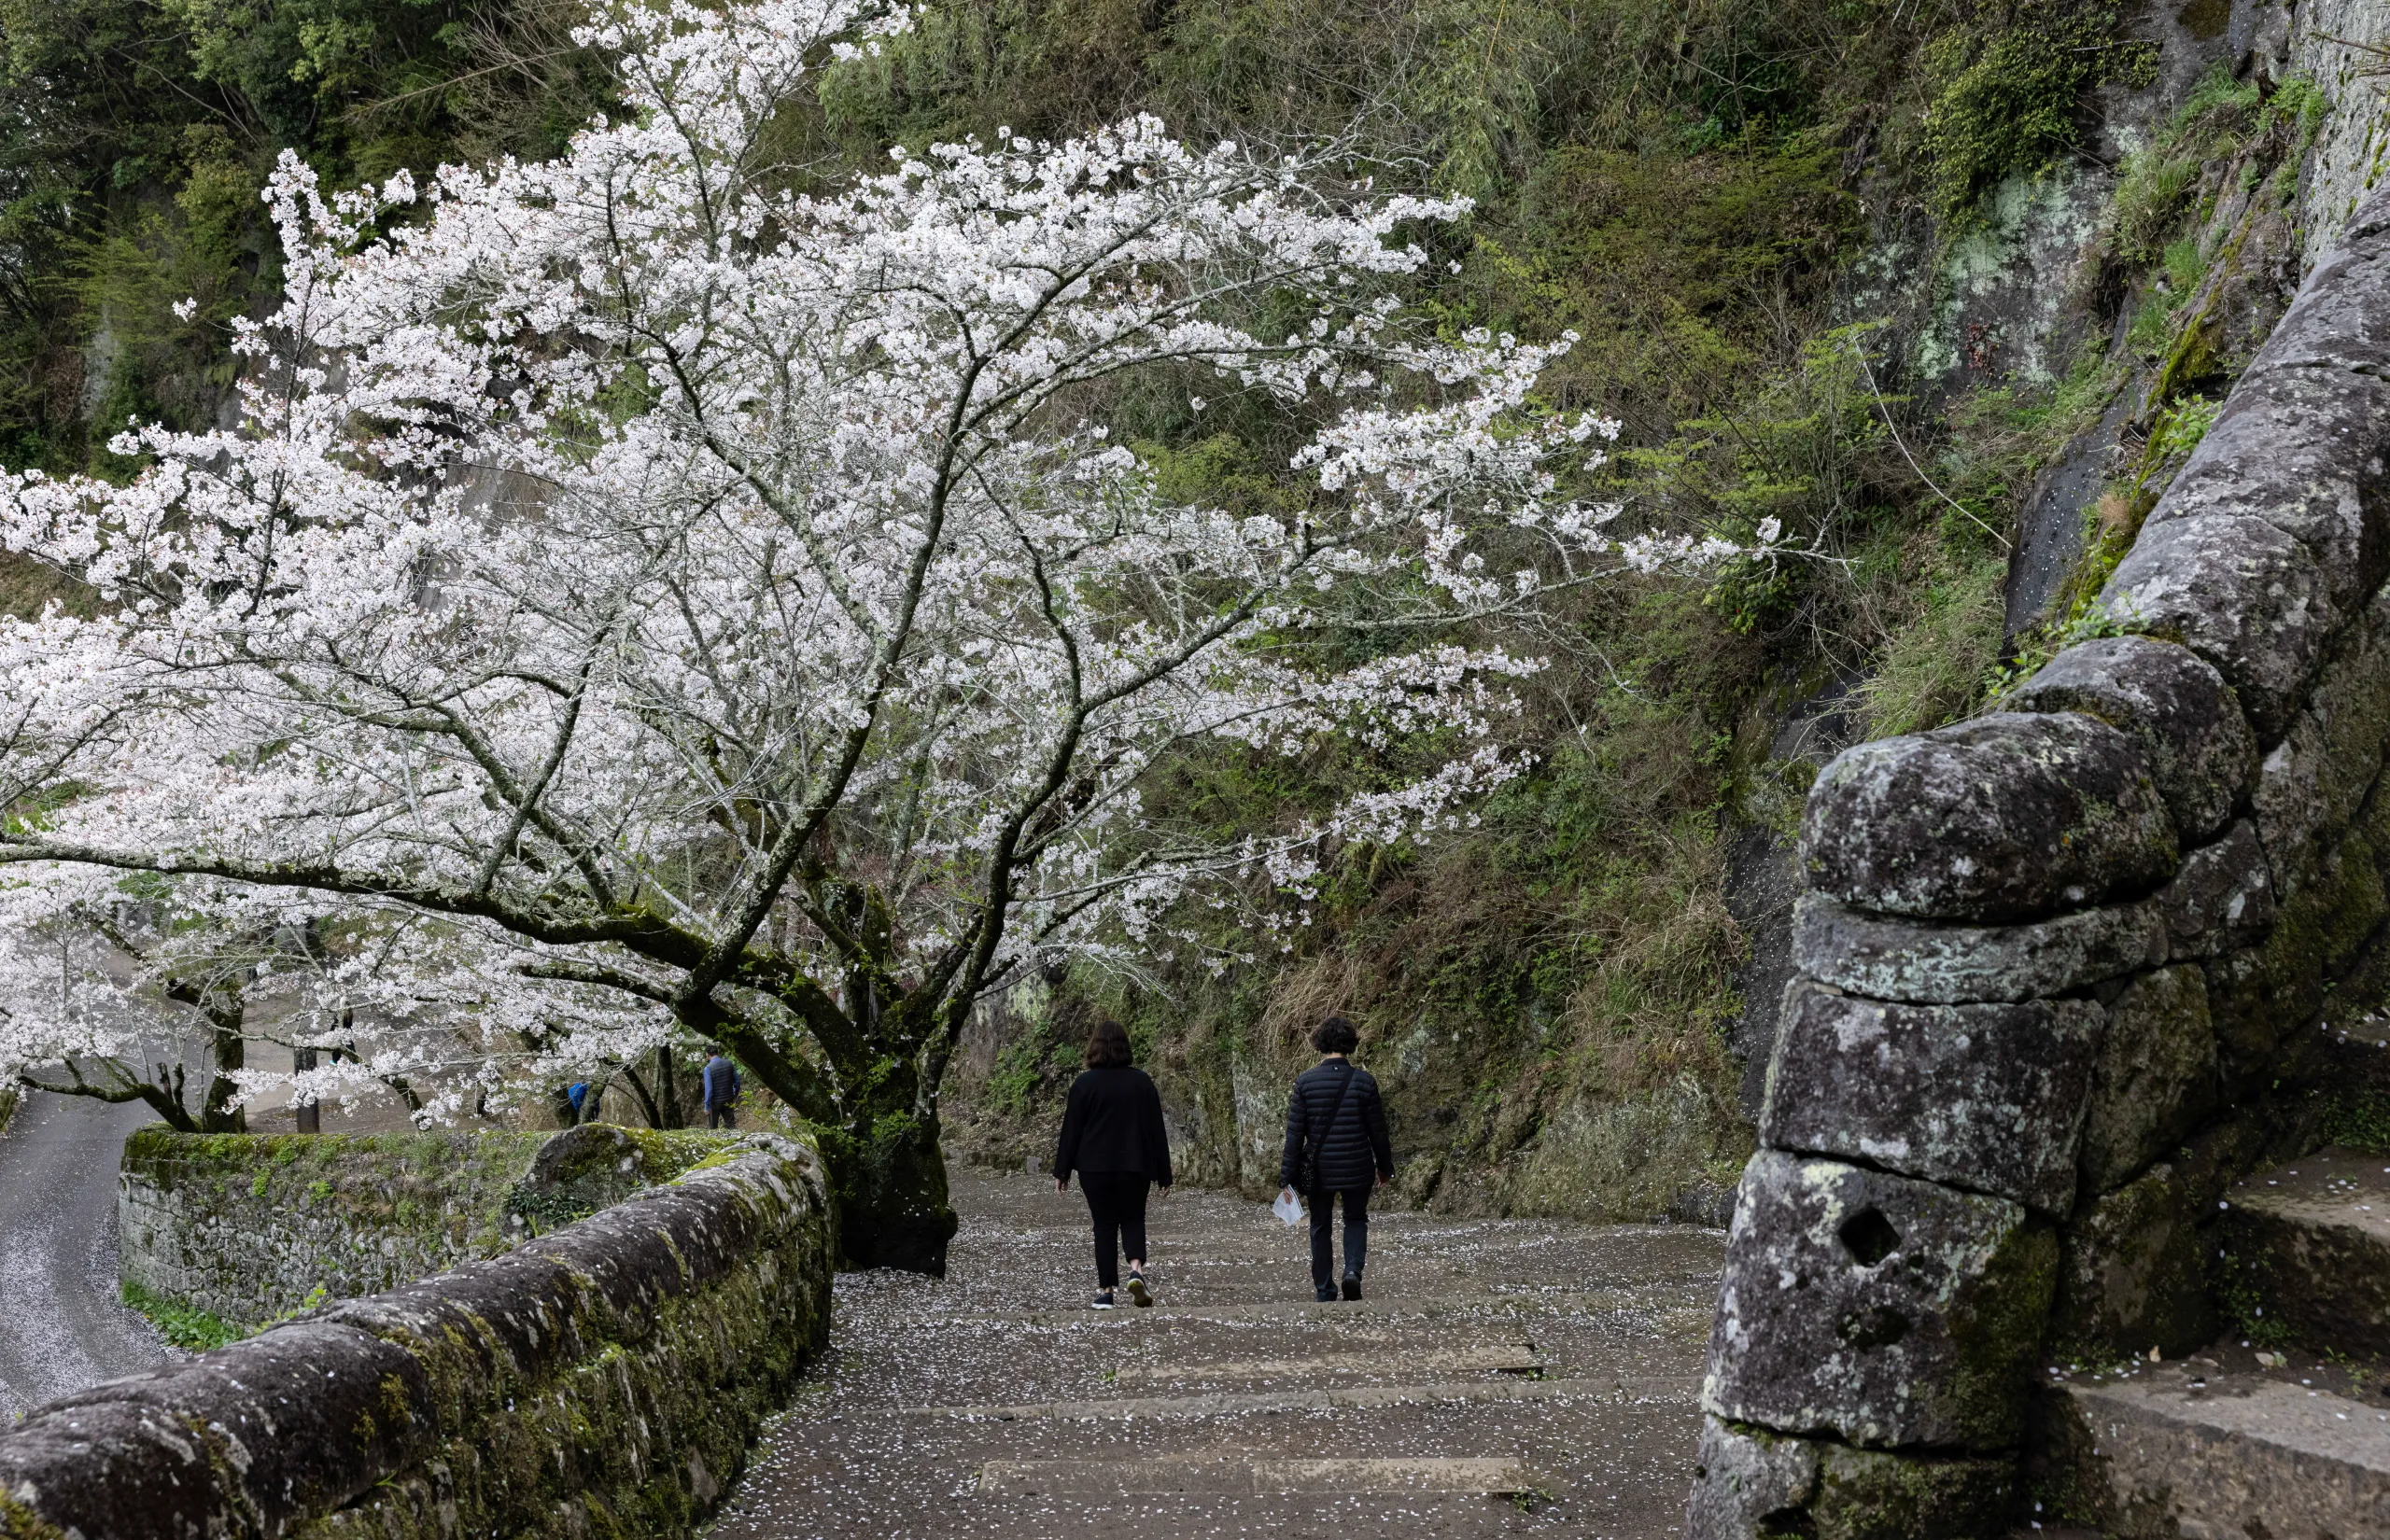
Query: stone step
{"points": [[1492, 1357], [1169, 1476], [2196, 1452], [1670, 1389], [1669, 1297], [2311, 1244]]}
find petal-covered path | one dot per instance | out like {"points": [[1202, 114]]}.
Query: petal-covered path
{"points": [[61, 1325], [1503, 1377]]}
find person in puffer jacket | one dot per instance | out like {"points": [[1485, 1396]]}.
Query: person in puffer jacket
{"points": [[1336, 1139]]}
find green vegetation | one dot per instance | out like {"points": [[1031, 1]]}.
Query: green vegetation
{"points": [[2011, 88], [193, 1331]]}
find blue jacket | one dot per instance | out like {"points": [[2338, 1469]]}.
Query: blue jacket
{"points": [[722, 1083]]}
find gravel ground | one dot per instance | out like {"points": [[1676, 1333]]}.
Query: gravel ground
{"points": [[991, 1404]]}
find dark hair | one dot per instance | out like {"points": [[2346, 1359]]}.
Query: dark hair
{"points": [[1107, 1046], [1335, 1035]]}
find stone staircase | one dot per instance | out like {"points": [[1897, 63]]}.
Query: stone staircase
{"points": [[2283, 1434], [1504, 1376]]}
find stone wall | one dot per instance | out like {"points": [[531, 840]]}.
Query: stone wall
{"points": [[254, 1227], [2064, 972], [602, 1379]]}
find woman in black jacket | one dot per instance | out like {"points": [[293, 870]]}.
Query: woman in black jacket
{"points": [[1113, 1137]]}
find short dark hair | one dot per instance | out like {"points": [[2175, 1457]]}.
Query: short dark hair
{"points": [[1107, 1046], [1335, 1035]]}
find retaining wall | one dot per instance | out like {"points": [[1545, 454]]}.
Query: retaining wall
{"points": [[2066, 971], [253, 1227], [604, 1378]]}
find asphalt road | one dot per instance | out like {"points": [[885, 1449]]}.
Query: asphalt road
{"points": [[61, 1325]]}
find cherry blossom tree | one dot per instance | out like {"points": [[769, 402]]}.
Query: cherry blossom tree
{"points": [[683, 601]]}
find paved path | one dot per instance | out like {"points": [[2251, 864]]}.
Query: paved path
{"points": [[1504, 1376], [61, 1325]]}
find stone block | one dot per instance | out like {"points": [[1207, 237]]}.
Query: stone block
{"points": [[2010, 816], [2301, 449], [2223, 898], [2309, 1244], [1876, 1308], [1988, 1097], [2256, 996], [1930, 964], [2201, 753], [2243, 595], [2133, 1275], [2339, 321], [2191, 1453], [2154, 1079], [1749, 1483], [2315, 780]]}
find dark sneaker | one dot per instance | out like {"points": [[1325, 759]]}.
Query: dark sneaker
{"points": [[1138, 1291], [1323, 1294], [1352, 1286], [1103, 1300]]}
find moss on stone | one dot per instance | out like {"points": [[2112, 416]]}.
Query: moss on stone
{"points": [[1998, 1334], [19, 1522], [1866, 1495], [2359, 1118]]}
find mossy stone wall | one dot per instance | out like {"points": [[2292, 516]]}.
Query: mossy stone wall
{"points": [[604, 1378], [251, 1228]]}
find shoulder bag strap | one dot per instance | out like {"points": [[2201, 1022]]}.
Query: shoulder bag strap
{"points": [[1319, 1141]]}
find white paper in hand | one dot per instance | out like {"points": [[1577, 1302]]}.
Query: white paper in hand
{"points": [[1289, 1210]]}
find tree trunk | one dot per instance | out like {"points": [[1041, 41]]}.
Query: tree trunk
{"points": [[228, 1051], [888, 1174], [308, 1117], [667, 1088]]}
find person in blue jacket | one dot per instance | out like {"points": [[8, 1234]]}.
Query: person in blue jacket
{"points": [[1113, 1137], [721, 1078]]}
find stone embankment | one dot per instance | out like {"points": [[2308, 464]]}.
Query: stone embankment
{"points": [[603, 1379], [2066, 974], [253, 1227]]}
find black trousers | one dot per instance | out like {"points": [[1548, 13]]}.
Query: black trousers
{"points": [[721, 1117], [1357, 1234], [1116, 1201]]}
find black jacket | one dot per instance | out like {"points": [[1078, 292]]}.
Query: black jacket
{"points": [[1113, 1125], [1342, 1154]]}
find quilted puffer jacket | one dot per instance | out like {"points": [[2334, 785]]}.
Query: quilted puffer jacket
{"points": [[1343, 1153]]}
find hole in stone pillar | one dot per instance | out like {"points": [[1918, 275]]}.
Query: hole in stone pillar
{"points": [[1868, 1236], [1877, 1326], [1789, 1524]]}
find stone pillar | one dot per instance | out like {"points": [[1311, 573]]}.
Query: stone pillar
{"points": [[1982, 1008]]}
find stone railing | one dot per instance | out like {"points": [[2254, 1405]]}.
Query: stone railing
{"points": [[2060, 970], [253, 1227], [602, 1380]]}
